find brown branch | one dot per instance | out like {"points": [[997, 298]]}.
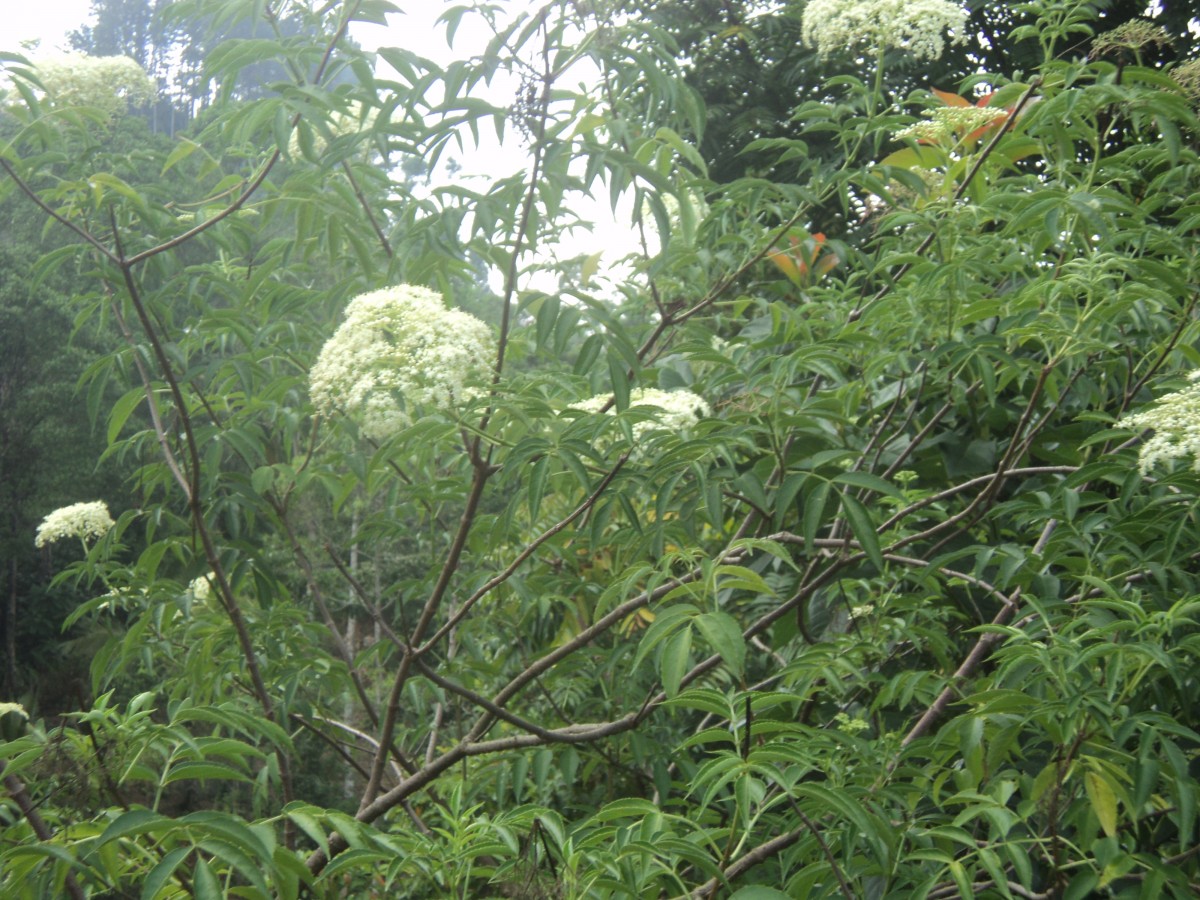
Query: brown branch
{"points": [[453, 555], [919, 437], [752, 858], [729, 280], [535, 174], [816, 833], [976, 656], [264, 170], [16, 789], [397, 771], [314, 589], [160, 431], [530, 549], [62, 220], [1185, 320], [482, 467], [967, 485], [229, 601], [366, 207]]}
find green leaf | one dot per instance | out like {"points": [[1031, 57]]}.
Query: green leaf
{"points": [[158, 877], [705, 699], [122, 410], [676, 655], [183, 149], [815, 502], [666, 620], [547, 315], [626, 808], [920, 157], [537, 487], [869, 482], [304, 818], [204, 883], [620, 381], [739, 578], [863, 529], [136, 821], [722, 631], [201, 771]]}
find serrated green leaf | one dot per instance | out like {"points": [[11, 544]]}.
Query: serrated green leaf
{"points": [[122, 410], [863, 529], [723, 633], [676, 655], [162, 872], [204, 883], [136, 821], [200, 771]]}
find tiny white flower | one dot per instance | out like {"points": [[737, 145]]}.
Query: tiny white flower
{"points": [[81, 520], [400, 349], [917, 26], [1175, 419]]}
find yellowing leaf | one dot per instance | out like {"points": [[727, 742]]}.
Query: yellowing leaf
{"points": [[1103, 800]]}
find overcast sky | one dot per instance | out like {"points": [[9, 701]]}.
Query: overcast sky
{"points": [[44, 20]]}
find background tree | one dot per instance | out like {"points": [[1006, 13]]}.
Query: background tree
{"points": [[749, 63], [48, 454]]}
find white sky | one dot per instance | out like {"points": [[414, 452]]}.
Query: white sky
{"points": [[47, 20]]}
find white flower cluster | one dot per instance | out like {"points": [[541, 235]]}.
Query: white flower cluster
{"points": [[107, 83], [6, 708], [81, 520], [201, 587], [949, 123], [1187, 77], [677, 410], [850, 725], [1175, 419], [834, 26], [400, 348]]}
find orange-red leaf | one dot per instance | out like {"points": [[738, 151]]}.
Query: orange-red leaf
{"points": [[950, 99]]}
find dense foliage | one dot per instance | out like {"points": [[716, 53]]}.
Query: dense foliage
{"points": [[806, 552]]}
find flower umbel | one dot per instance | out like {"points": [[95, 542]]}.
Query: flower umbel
{"points": [[201, 588], [107, 83], [1130, 38], [81, 520], [918, 26], [1175, 419], [1187, 77], [947, 124], [678, 410], [400, 348]]}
